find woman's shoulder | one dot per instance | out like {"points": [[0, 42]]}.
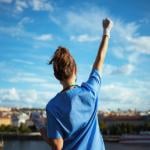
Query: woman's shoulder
{"points": [[56, 100], [52, 102]]}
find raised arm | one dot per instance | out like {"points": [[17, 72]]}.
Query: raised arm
{"points": [[99, 61]]}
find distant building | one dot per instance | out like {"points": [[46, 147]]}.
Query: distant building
{"points": [[29, 123], [5, 116], [133, 120], [5, 119], [19, 118], [7, 109], [131, 117]]}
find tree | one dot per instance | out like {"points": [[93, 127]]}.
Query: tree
{"points": [[24, 129]]}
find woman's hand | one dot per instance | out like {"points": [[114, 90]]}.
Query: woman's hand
{"points": [[38, 120], [107, 26]]}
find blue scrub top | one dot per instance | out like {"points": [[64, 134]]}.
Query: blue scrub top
{"points": [[72, 115]]}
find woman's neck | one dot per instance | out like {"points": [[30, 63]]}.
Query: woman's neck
{"points": [[68, 84]]}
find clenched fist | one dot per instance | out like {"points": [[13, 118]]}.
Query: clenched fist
{"points": [[107, 26], [38, 120]]}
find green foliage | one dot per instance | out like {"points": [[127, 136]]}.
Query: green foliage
{"points": [[103, 127], [123, 128], [22, 129]]}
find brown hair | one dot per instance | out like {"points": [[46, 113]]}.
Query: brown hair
{"points": [[63, 63]]}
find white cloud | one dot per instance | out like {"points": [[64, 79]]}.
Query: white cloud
{"points": [[85, 20], [118, 52], [118, 92], [117, 95], [44, 37], [21, 5], [112, 96], [13, 31], [127, 36], [18, 31], [6, 1], [24, 98], [52, 86], [140, 44], [24, 21], [134, 58], [29, 95], [26, 78], [32, 80], [124, 30], [126, 69], [9, 94], [41, 5], [22, 61], [84, 38], [35, 5], [144, 20]]}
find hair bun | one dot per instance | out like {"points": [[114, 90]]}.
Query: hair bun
{"points": [[63, 63]]}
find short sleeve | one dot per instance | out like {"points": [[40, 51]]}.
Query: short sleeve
{"points": [[53, 127], [94, 82]]}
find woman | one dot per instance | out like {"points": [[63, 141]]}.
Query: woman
{"points": [[72, 122]]}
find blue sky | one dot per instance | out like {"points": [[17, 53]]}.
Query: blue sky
{"points": [[31, 30]]}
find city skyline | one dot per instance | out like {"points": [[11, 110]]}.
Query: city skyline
{"points": [[30, 31]]}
